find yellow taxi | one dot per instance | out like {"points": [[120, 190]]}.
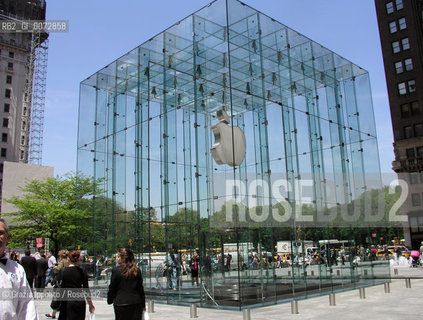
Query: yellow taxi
{"points": [[391, 249]]}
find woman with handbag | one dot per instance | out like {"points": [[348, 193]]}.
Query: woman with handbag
{"points": [[126, 290], [63, 263], [73, 278]]}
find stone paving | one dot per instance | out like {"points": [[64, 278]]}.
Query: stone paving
{"points": [[400, 303]]}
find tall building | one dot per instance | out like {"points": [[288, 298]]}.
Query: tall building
{"points": [[400, 27], [23, 66]]}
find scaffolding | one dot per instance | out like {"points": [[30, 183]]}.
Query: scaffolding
{"points": [[34, 98]]}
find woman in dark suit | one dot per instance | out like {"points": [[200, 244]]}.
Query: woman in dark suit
{"points": [[126, 290], [73, 278]]}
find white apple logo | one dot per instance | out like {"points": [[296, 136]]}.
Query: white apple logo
{"points": [[225, 149]]}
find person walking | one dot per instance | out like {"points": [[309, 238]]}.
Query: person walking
{"points": [[13, 279], [14, 257], [173, 266], [74, 279], [30, 267], [42, 267], [62, 263], [50, 272], [126, 290], [194, 267]]}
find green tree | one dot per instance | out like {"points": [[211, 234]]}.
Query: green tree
{"points": [[55, 208]]}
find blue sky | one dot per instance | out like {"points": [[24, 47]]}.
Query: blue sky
{"points": [[100, 31]]}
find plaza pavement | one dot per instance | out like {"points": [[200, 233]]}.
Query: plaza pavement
{"points": [[400, 303]]}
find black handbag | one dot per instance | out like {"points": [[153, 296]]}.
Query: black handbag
{"points": [[56, 303]]}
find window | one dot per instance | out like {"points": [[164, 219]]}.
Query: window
{"points": [[412, 109], [418, 130], [393, 27], [22, 140], [5, 122], [402, 89], [396, 47], [1, 167], [414, 178], [399, 4], [6, 107], [420, 154], [415, 108], [11, 54], [4, 137], [410, 153], [413, 224], [8, 79], [390, 7], [23, 125], [10, 65], [416, 224], [416, 199], [405, 110], [24, 111], [408, 63], [22, 155], [412, 86], [408, 132], [398, 67], [3, 152], [7, 93], [402, 24], [405, 44]]}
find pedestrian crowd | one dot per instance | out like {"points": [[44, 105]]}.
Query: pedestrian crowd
{"points": [[23, 278]]}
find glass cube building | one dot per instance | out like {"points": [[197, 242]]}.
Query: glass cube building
{"points": [[231, 137]]}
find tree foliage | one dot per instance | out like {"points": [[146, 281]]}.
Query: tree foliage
{"points": [[56, 208]]}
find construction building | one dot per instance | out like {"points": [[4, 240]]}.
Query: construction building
{"points": [[400, 27], [23, 68]]}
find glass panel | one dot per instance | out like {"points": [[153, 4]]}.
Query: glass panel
{"points": [[415, 108], [410, 153], [389, 7], [405, 111], [398, 67], [164, 127], [393, 27], [402, 89], [408, 64], [408, 132], [399, 4], [415, 199], [420, 223], [418, 130], [396, 47], [405, 44], [412, 86], [402, 23], [414, 224], [414, 178]]}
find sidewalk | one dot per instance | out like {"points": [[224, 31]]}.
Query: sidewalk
{"points": [[401, 303]]}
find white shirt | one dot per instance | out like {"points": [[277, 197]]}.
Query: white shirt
{"points": [[51, 261], [13, 282]]}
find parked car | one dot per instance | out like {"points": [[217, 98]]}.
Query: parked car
{"points": [[391, 250]]}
